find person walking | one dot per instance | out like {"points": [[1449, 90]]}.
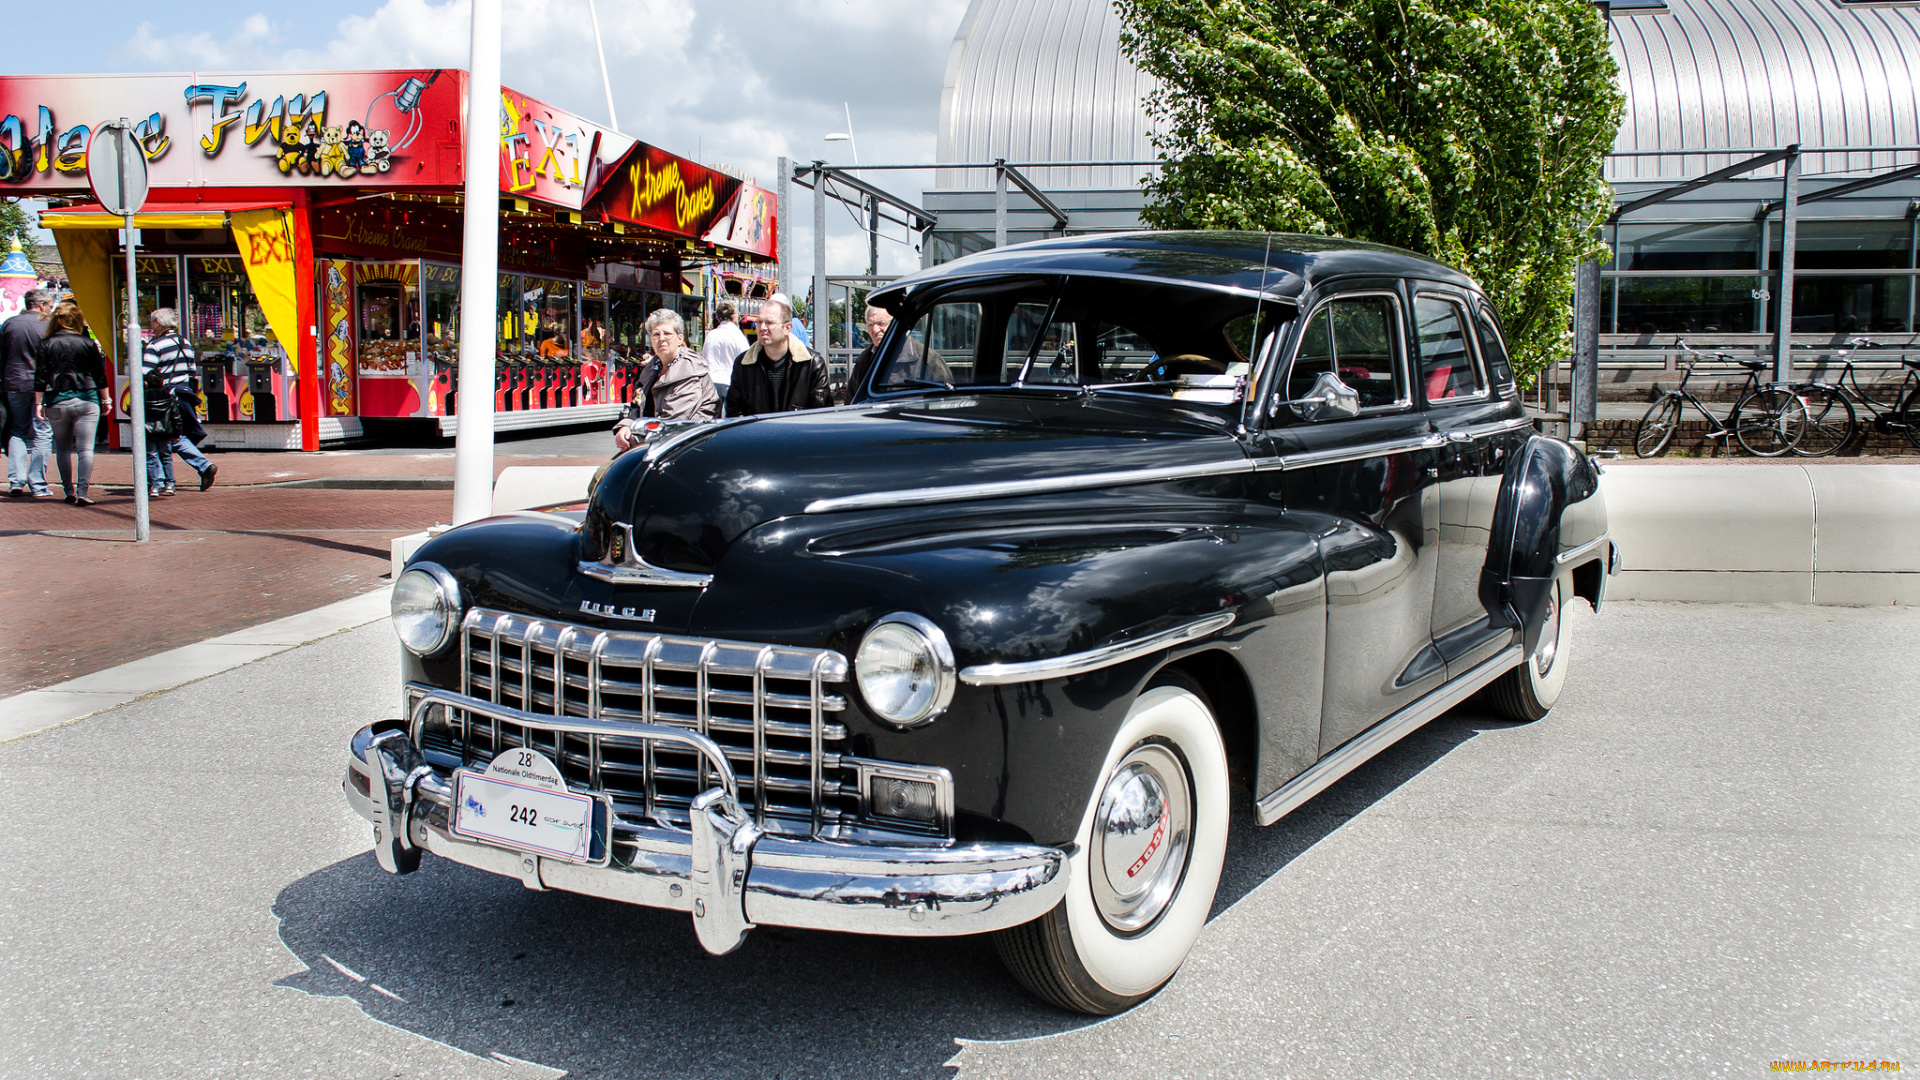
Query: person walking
{"points": [[673, 384], [170, 357], [724, 345], [70, 393], [28, 438], [778, 374]]}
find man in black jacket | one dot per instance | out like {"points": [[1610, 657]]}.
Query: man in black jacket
{"points": [[778, 374], [28, 440]]}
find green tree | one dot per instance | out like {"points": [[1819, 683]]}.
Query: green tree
{"points": [[17, 223], [1472, 131]]}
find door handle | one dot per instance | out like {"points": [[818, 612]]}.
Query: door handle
{"points": [[1433, 442], [1459, 436]]}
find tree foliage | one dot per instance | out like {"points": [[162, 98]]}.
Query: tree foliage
{"points": [[17, 223], [1472, 131]]}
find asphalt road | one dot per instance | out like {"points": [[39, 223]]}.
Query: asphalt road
{"points": [[1704, 861]]}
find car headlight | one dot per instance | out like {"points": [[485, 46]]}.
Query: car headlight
{"points": [[426, 607], [905, 669]]}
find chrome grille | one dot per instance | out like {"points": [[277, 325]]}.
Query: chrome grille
{"points": [[767, 706]]}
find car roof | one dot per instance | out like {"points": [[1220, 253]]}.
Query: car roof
{"points": [[1280, 265]]}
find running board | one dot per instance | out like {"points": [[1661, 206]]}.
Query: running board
{"points": [[1361, 748]]}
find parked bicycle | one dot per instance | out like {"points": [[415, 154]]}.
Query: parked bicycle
{"points": [[1768, 419], [1831, 419]]}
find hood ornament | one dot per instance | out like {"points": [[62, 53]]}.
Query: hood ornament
{"points": [[624, 566]]}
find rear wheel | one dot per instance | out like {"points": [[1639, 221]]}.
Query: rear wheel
{"points": [[1768, 422], [1657, 427], [1146, 862], [1528, 691], [1830, 421]]}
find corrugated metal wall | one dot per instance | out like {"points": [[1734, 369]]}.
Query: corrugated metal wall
{"points": [[1042, 80], [1765, 73]]}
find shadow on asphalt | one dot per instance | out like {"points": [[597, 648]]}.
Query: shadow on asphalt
{"points": [[598, 988]]}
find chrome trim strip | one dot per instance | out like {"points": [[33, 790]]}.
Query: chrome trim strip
{"points": [[1573, 553], [1060, 667], [1003, 488], [1362, 748], [1339, 455]]}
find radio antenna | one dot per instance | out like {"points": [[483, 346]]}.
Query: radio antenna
{"points": [[1253, 343]]}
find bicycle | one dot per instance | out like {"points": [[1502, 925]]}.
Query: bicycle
{"points": [[1831, 420], [1767, 419]]}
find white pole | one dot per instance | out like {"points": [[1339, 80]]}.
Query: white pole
{"points": [[480, 265], [605, 84], [136, 386]]}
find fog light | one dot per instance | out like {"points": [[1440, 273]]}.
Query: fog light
{"points": [[905, 800]]}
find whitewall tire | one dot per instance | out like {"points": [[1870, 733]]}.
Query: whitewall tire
{"points": [[1146, 861]]}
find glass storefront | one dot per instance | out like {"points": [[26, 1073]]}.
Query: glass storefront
{"points": [[222, 314], [440, 312], [1683, 278]]}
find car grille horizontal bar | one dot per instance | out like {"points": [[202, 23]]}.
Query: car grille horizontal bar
{"points": [[771, 709]]}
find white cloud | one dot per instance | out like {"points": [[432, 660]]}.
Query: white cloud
{"points": [[741, 82]]}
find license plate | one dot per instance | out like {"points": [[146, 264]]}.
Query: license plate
{"points": [[521, 802]]}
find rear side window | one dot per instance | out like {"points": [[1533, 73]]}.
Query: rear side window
{"points": [[1447, 370], [1352, 337]]}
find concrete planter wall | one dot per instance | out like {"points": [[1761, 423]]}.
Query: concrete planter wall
{"points": [[1770, 533]]}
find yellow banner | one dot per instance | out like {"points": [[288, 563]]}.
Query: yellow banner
{"points": [[265, 238]]}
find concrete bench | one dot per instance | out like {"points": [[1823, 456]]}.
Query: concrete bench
{"points": [[1768, 533]]}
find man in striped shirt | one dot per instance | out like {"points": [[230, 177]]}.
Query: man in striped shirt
{"points": [[170, 357]]}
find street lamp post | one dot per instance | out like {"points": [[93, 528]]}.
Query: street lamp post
{"points": [[480, 264]]}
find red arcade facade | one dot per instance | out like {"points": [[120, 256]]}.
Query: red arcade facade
{"points": [[307, 229]]}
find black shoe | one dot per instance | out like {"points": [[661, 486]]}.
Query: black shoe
{"points": [[70, 500], [206, 478], [17, 493], [82, 500]]}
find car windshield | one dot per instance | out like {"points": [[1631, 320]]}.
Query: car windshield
{"points": [[1081, 334]]}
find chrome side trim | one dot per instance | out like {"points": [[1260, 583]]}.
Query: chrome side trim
{"points": [[1005, 488], [1583, 550], [626, 567], [1340, 454], [1059, 667], [1361, 748]]}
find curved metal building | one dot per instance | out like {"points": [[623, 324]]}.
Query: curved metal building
{"points": [[1042, 80], [1740, 74], [1710, 84]]}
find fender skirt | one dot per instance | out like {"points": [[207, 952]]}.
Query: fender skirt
{"points": [[1531, 525]]}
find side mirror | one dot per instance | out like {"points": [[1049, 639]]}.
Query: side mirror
{"points": [[1330, 399]]}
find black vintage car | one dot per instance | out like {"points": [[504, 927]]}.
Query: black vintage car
{"points": [[1115, 525]]}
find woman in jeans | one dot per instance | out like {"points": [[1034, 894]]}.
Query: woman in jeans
{"points": [[70, 392]]}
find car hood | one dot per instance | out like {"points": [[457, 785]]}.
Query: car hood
{"points": [[688, 498]]}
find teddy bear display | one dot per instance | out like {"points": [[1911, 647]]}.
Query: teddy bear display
{"points": [[378, 155], [333, 151]]}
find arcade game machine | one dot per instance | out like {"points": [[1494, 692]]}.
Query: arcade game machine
{"points": [[223, 322]]}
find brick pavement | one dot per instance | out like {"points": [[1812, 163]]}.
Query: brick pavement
{"points": [[80, 595]]}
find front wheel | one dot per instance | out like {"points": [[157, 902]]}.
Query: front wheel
{"points": [[1527, 692], [1768, 422], [1906, 418], [1830, 421], [1145, 865], [1657, 427]]}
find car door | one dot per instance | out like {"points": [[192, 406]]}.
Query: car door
{"points": [[1363, 480], [1478, 428]]}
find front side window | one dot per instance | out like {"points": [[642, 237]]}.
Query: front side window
{"points": [[1447, 370], [1353, 337]]}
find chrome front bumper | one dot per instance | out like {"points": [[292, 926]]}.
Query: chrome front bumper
{"points": [[725, 871]]}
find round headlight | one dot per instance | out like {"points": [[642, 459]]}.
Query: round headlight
{"points": [[426, 606], [905, 669]]}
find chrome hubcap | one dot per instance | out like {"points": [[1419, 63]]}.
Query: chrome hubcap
{"points": [[1141, 832], [1549, 635]]}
